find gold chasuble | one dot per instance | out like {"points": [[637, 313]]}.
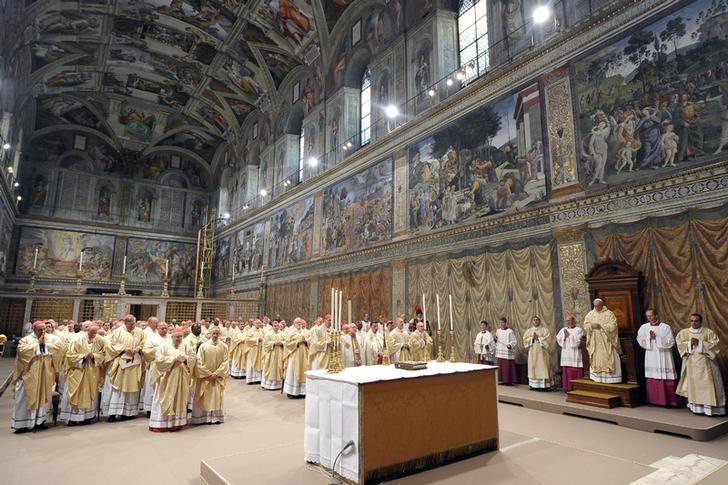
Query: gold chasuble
{"points": [[420, 344], [212, 358], [601, 343], [83, 376], [273, 372], [319, 339], [239, 348], [398, 346], [700, 379], [37, 368], [126, 371], [297, 353], [539, 362], [255, 347], [174, 378]]}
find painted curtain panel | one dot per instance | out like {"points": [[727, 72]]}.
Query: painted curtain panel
{"points": [[146, 261], [511, 283], [488, 162], [291, 234], [357, 212], [221, 259], [289, 300], [656, 100], [59, 252], [248, 255], [685, 263], [369, 292]]}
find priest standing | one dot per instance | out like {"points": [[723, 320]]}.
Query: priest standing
{"points": [[505, 352], [125, 347], [572, 364], [33, 377], [700, 379], [657, 339], [374, 344], [602, 343], [273, 346], [173, 365], [211, 371], [84, 358], [398, 342], [421, 343], [254, 362], [483, 345], [294, 384], [152, 341], [238, 352], [319, 341], [539, 343]]}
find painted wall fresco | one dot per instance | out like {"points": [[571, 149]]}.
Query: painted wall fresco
{"points": [[488, 162], [357, 211], [248, 254], [291, 234], [146, 260], [656, 98], [221, 259], [59, 252]]}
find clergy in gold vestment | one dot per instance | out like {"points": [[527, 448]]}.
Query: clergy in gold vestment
{"points": [[319, 343], [84, 360], [126, 374], [375, 344], [539, 343], [294, 384], [273, 346], [211, 371], [238, 351], [352, 352], [33, 377], [254, 362], [152, 341], [602, 343], [398, 342], [420, 344], [173, 366], [194, 339], [700, 379]]}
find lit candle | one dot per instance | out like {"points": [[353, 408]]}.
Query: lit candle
{"points": [[349, 308], [233, 276], [332, 306], [123, 267], [424, 311], [202, 271], [450, 296], [166, 268], [341, 295], [80, 261], [437, 303], [35, 259]]}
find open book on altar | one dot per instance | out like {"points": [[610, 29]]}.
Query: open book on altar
{"points": [[128, 362]]}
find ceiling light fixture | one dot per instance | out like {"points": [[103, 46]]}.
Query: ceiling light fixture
{"points": [[431, 93], [460, 76], [313, 162], [448, 82], [263, 192], [541, 14], [391, 111]]}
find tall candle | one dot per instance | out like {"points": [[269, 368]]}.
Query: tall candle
{"points": [[232, 278], [349, 309], [341, 296], [424, 311], [35, 259], [202, 271], [437, 302], [123, 267], [80, 261], [331, 307], [166, 268], [450, 297]]}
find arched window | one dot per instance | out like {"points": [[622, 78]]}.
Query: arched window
{"points": [[301, 145], [366, 108], [473, 34]]}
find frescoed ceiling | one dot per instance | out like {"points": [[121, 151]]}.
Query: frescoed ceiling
{"points": [[163, 72]]}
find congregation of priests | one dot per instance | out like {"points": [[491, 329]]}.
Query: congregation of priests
{"points": [[177, 374]]}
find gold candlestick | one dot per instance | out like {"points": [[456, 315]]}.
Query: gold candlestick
{"points": [[33, 274], [452, 346], [165, 287], [385, 356], [79, 281], [440, 355], [122, 285], [335, 363]]}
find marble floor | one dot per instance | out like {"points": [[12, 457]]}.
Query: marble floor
{"points": [[261, 442]]}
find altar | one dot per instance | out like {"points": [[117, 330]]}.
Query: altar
{"points": [[401, 422]]}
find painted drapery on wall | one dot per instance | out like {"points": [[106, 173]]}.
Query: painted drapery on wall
{"points": [[289, 300], [291, 234], [511, 283], [357, 211], [656, 98], [685, 264], [369, 293], [59, 253], [487, 162], [248, 254], [146, 261], [221, 259]]}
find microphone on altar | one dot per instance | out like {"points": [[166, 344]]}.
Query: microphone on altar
{"points": [[334, 480]]}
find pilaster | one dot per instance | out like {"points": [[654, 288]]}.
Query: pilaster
{"points": [[572, 269]]}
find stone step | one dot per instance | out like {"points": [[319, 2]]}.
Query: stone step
{"points": [[631, 395], [590, 398]]}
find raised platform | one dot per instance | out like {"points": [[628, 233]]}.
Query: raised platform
{"points": [[679, 422], [630, 395]]}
